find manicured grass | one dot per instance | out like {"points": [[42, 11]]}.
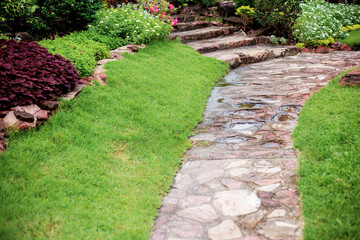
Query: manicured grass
{"points": [[99, 168], [328, 137], [353, 40]]}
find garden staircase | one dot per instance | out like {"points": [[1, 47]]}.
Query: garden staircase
{"points": [[228, 43]]}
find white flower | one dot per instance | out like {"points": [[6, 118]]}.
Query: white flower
{"points": [[101, 21]]}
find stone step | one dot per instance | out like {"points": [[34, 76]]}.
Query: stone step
{"points": [[202, 33], [252, 54], [185, 18], [239, 39], [187, 26]]}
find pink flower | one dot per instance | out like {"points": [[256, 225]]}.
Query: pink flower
{"points": [[174, 22], [163, 15], [151, 9], [156, 9], [171, 6], [169, 18]]}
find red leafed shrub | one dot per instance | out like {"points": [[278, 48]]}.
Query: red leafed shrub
{"points": [[30, 74]]}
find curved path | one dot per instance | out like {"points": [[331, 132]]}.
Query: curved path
{"points": [[239, 179]]}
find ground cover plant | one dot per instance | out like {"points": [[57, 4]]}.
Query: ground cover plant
{"points": [[30, 74], [82, 51], [328, 138], [99, 168], [323, 21]]}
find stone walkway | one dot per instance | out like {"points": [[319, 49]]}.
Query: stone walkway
{"points": [[239, 179]]}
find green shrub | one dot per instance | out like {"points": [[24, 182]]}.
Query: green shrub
{"points": [[283, 41], [116, 27], [16, 14], [46, 17], [3, 36], [274, 40], [280, 14], [300, 45], [64, 15], [246, 14], [83, 52]]}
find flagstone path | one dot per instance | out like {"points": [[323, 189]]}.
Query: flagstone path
{"points": [[239, 179]]}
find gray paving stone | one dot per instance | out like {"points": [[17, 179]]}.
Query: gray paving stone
{"points": [[237, 202], [227, 230], [248, 187], [203, 213]]}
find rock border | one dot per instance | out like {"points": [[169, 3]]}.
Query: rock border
{"points": [[31, 116]]}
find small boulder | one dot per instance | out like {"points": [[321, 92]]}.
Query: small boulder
{"points": [[132, 47], [322, 49], [336, 46], [86, 80], [49, 105], [42, 115], [351, 79], [33, 108], [226, 8], [101, 78], [24, 116], [345, 47], [10, 119], [22, 125], [308, 50]]}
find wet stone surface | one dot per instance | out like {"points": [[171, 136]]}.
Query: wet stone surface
{"points": [[242, 183]]}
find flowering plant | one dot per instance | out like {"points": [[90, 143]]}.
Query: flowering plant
{"points": [[160, 8], [128, 24], [321, 20]]}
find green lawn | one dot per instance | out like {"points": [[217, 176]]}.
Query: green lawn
{"points": [[328, 137], [99, 168], [353, 40]]}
